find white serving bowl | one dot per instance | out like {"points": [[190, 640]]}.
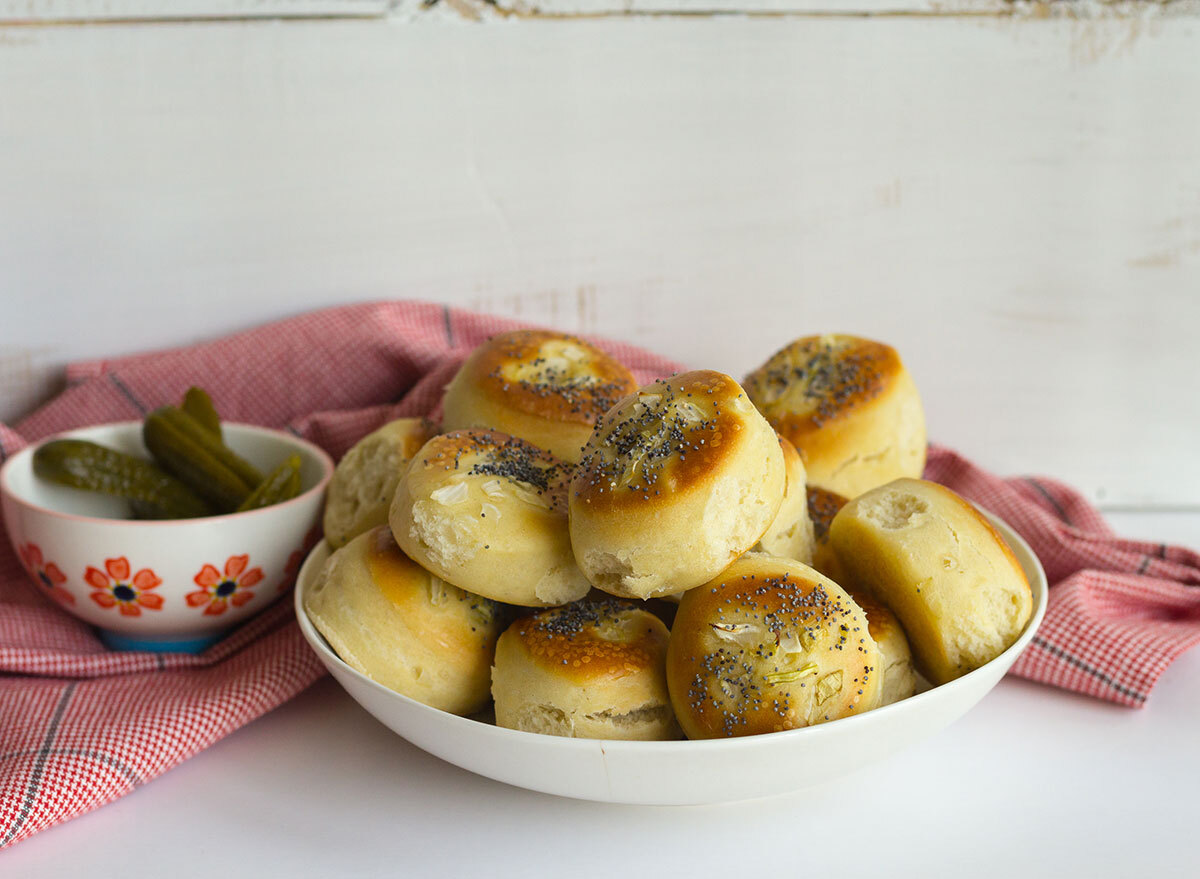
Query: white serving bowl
{"points": [[165, 585], [682, 772]]}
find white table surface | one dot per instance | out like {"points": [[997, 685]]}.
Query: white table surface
{"points": [[1033, 781]]}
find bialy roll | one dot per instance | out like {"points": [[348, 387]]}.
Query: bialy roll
{"points": [[592, 669], [365, 479], [676, 481], [790, 535], [393, 621], [823, 505], [850, 407], [939, 565], [899, 679], [545, 387], [769, 645], [487, 512]]}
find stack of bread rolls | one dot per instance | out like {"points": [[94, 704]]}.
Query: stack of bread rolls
{"points": [[522, 555]]}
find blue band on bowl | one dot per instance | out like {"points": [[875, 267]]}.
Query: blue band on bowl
{"points": [[121, 641]]}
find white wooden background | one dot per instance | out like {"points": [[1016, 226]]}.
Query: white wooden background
{"points": [[1013, 202]]}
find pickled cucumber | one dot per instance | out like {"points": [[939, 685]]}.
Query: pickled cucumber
{"points": [[281, 484], [198, 404], [188, 451], [86, 465], [189, 427]]}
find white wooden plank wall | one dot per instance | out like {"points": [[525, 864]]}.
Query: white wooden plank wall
{"points": [[1013, 202]]}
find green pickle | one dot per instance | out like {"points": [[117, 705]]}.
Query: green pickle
{"points": [[193, 472], [86, 465], [198, 404], [187, 450], [282, 484], [191, 428]]}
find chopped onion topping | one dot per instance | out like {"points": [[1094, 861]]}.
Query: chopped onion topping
{"points": [[448, 495], [746, 634], [829, 686], [787, 677], [689, 412], [531, 498]]}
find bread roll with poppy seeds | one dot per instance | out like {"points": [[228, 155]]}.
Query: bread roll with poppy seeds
{"points": [[849, 406], [899, 677], [487, 512], [393, 621], [677, 480], [769, 645], [791, 533], [592, 669], [941, 568], [545, 387], [364, 481]]}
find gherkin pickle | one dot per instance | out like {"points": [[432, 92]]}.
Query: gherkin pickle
{"points": [[281, 484], [87, 465]]}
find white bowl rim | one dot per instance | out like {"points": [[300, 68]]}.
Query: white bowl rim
{"points": [[322, 456], [1040, 590]]}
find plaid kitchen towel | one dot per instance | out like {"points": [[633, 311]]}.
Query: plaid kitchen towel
{"points": [[81, 725]]}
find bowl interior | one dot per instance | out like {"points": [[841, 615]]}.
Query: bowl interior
{"points": [[262, 447]]}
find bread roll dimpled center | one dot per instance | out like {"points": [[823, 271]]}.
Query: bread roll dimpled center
{"points": [[567, 374], [542, 386], [819, 377], [849, 405], [677, 480]]}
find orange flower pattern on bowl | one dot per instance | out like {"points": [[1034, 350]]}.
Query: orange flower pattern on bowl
{"points": [[217, 591]]}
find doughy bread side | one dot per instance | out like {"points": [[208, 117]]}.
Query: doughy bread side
{"points": [[487, 512], [365, 480], [790, 535], [399, 625], [941, 567], [676, 482]]}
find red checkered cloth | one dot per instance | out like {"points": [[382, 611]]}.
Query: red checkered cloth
{"points": [[81, 725]]}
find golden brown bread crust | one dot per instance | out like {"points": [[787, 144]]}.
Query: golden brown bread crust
{"points": [[849, 405], [668, 438], [819, 380], [823, 505], [591, 669], [769, 645], [880, 620], [588, 640], [677, 481], [899, 679], [546, 387]]}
